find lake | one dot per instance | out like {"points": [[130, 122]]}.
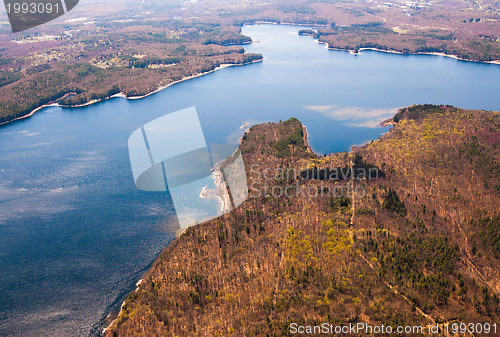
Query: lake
{"points": [[75, 232]]}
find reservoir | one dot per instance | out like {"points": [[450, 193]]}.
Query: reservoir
{"points": [[75, 232]]}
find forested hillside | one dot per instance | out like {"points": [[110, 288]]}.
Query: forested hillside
{"points": [[413, 241], [114, 46]]}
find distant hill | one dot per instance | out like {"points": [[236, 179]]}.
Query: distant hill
{"points": [[418, 244]]}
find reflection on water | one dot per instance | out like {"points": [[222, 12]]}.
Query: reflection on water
{"points": [[76, 233]]}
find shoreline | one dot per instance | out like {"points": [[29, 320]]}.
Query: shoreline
{"points": [[306, 142], [388, 122], [122, 94], [222, 66], [220, 191], [285, 24], [121, 306], [220, 185], [351, 51], [225, 65]]}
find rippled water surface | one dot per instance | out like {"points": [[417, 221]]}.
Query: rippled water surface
{"points": [[75, 233]]}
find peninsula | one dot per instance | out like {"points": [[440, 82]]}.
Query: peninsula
{"points": [[412, 240]]}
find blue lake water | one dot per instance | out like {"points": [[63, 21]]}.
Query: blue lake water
{"points": [[76, 234]]}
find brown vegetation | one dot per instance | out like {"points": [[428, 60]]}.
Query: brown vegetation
{"points": [[133, 62], [377, 36], [110, 47], [418, 249]]}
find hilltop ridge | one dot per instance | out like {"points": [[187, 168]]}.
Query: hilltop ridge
{"points": [[417, 244]]}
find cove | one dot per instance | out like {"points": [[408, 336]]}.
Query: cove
{"points": [[76, 234]]}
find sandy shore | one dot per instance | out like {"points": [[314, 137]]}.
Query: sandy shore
{"points": [[286, 24], [309, 149], [122, 95], [388, 122], [433, 53], [220, 192], [30, 114], [401, 53], [53, 103]]}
